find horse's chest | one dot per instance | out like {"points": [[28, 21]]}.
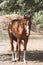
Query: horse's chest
{"points": [[17, 29], [20, 29]]}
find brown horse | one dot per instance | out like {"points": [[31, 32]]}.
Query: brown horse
{"points": [[19, 30]]}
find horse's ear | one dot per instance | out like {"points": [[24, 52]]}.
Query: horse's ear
{"points": [[24, 16], [29, 16]]}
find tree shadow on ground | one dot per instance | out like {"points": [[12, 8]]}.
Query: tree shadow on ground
{"points": [[30, 56], [34, 56]]}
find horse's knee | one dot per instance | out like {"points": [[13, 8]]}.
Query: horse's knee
{"points": [[12, 47], [25, 47]]}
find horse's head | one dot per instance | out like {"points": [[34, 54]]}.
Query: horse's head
{"points": [[27, 24]]}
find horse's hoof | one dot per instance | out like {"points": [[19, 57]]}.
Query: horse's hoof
{"points": [[25, 62], [14, 60], [18, 59]]}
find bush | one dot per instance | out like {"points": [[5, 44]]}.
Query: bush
{"points": [[39, 26], [37, 18]]}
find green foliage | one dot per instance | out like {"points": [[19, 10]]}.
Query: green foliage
{"points": [[2, 13], [37, 18], [36, 1], [23, 7], [39, 26]]}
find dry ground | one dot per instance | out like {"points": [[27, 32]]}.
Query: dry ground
{"points": [[34, 55]]}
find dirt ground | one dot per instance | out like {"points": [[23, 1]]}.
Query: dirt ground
{"points": [[34, 55]]}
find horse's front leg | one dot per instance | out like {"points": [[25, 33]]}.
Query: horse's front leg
{"points": [[18, 43], [14, 54], [24, 56]]}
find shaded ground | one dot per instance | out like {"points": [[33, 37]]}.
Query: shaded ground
{"points": [[34, 55]]}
